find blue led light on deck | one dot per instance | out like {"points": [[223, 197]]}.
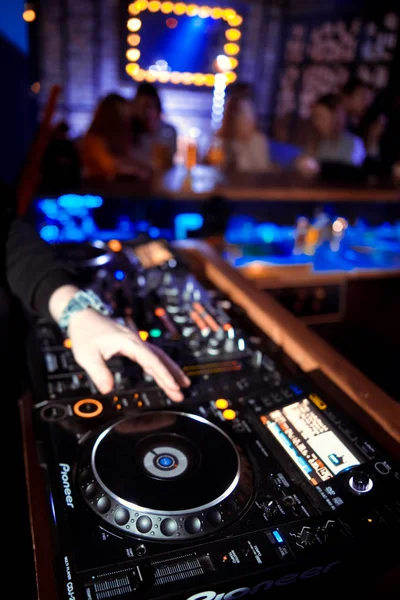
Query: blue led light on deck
{"points": [[277, 536], [120, 275], [296, 389]]}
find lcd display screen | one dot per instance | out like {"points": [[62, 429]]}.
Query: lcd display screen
{"points": [[309, 439]]}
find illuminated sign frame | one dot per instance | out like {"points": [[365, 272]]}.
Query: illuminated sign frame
{"points": [[231, 47]]}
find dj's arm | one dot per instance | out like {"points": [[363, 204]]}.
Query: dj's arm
{"points": [[33, 271], [39, 280]]}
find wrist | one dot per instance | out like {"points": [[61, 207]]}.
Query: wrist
{"points": [[70, 301], [59, 300], [79, 317]]}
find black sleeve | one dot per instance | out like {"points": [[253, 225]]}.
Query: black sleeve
{"points": [[33, 270]]}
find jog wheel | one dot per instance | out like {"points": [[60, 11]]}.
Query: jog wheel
{"points": [[166, 476]]}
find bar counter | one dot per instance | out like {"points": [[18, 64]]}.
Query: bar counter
{"points": [[205, 181]]}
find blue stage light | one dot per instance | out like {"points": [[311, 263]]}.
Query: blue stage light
{"points": [[49, 233], [78, 201], [154, 232], [49, 207], [266, 231], [120, 275], [186, 222], [142, 226]]}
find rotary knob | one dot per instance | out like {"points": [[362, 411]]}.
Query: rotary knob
{"points": [[360, 482], [213, 347]]}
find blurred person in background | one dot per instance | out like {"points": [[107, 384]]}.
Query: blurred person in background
{"points": [[357, 97], [333, 144], [106, 149], [154, 140], [245, 148], [382, 133]]}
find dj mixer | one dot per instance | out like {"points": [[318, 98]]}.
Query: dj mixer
{"points": [[258, 483]]}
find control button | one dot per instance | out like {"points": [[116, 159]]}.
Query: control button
{"points": [[188, 330], [155, 333], [287, 393], [90, 491], [306, 535], [221, 403], [296, 389], [115, 245], [231, 506], [256, 359], [171, 291], [54, 412], [140, 550], [289, 500], [383, 468], [277, 536], [192, 524], [103, 504], [121, 516], [230, 345], [276, 397], [269, 506], [213, 347], [214, 516], [348, 431], [144, 524], [360, 482], [88, 408], [229, 414], [180, 318], [268, 403], [168, 527], [173, 308]]}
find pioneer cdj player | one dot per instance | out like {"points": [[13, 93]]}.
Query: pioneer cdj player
{"points": [[257, 484]]}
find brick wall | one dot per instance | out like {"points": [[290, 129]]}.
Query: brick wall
{"points": [[79, 48]]}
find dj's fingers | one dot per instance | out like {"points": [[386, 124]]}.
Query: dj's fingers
{"points": [[94, 365], [174, 394], [140, 353], [172, 367]]}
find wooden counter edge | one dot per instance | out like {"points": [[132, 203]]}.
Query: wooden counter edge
{"points": [[282, 194], [39, 512], [303, 346]]}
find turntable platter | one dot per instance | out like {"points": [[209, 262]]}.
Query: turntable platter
{"points": [[166, 466]]}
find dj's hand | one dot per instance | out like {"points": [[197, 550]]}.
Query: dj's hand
{"points": [[96, 338]]}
